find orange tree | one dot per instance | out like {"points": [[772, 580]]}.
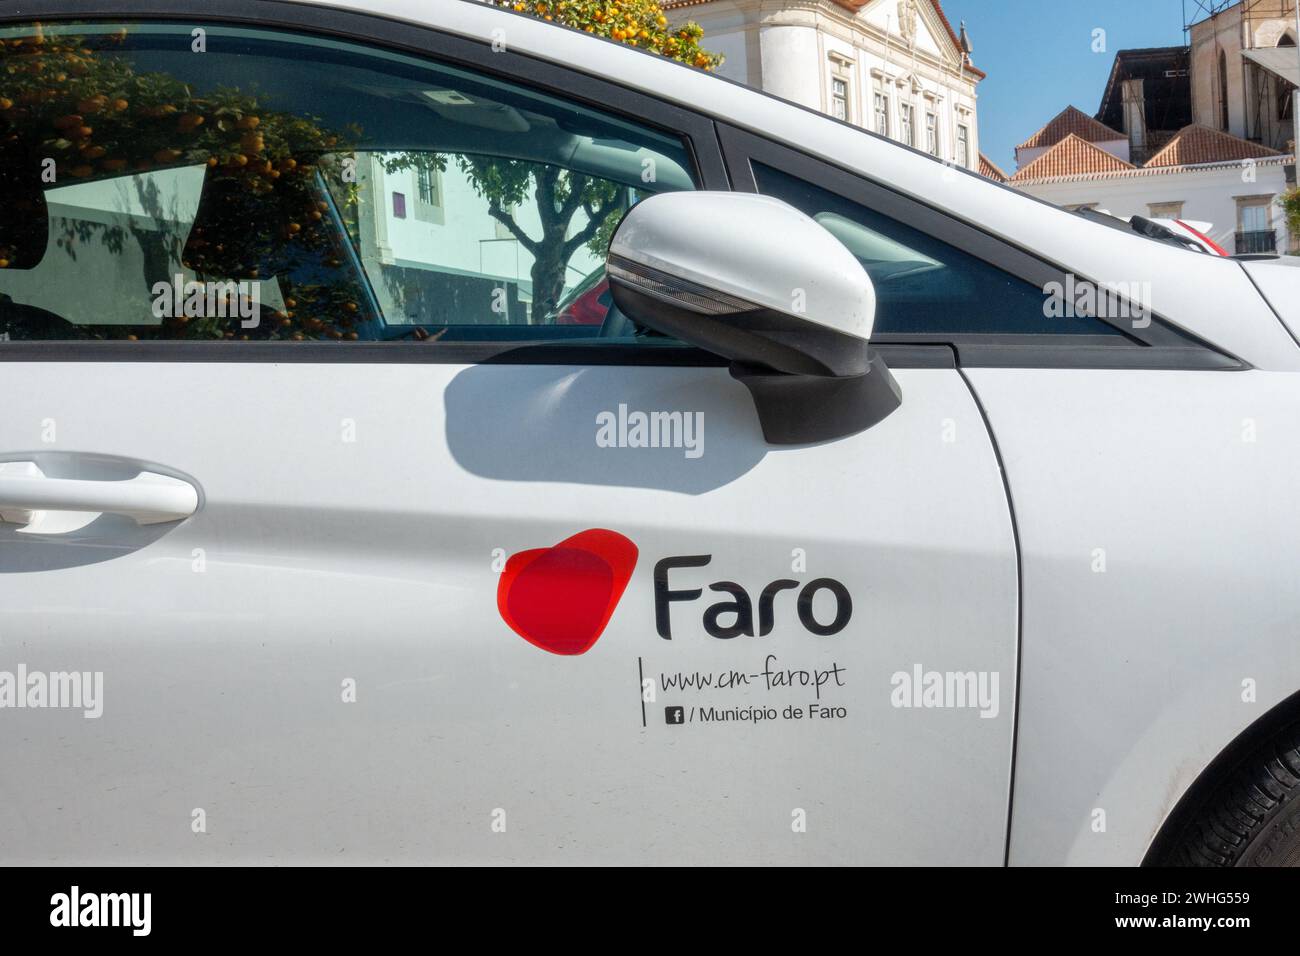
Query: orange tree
{"points": [[560, 195], [639, 23], [77, 100]]}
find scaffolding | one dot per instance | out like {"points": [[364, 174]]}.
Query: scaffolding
{"points": [[1208, 9], [1270, 105]]}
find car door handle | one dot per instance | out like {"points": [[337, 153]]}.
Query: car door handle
{"points": [[149, 498]]}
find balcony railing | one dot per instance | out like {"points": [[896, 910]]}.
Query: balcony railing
{"points": [[1256, 242]]}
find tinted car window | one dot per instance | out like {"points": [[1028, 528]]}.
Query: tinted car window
{"points": [[287, 187], [924, 285]]}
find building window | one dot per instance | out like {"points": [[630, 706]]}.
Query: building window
{"points": [[1255, 225], [1165, 210], [932, 134], [907, 123], [424, 179], [839, 98], [399, 206], [963, 145], [882, 114], [428, 195]]}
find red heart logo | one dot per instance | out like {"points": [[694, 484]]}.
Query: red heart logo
{"points": [[561, 598]]}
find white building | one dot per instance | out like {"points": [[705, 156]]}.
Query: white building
{"points": [[895, 67], [1200, 133], [1202, 175]]}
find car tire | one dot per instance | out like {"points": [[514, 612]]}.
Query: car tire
{"points": [[1253, 817]]}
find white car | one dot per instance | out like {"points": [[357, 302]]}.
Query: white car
{"points": [[1194, 234], [866, 511]]}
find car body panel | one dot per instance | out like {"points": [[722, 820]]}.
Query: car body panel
{"points": [[1279, 282], [226, 641], [1157, 527]]}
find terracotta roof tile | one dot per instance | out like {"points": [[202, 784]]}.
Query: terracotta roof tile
{"points": [[1196, 145], [1072, 156], [990, 170], [1071, 121]]}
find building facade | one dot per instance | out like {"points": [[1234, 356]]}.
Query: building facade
{"points": [[1219, 183], [1201, 133], [895, 67], [1244, 68]]}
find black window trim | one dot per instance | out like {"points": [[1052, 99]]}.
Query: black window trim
{"points": [[1160, 346], [696, 131]]}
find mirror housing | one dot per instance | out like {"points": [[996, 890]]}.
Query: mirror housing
{"points": [[752, 279]]}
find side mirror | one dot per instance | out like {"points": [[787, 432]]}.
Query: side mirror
{"points": [[757, 282]]}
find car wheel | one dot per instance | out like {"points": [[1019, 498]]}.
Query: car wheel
{"points": [[1253, 817]]}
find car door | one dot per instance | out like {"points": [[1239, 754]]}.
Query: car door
{"points": [[1118, 713], [362, 543]]}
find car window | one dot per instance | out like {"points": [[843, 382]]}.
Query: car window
{"points": [[287, 187], [924, 285]]}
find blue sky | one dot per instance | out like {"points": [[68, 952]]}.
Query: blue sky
{"points": [[1039, 57]]}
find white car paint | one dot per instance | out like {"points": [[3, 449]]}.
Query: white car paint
{"points": [[311, 562], [222, 687], [837, 290], [1178, 486], [1276, 279]]}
